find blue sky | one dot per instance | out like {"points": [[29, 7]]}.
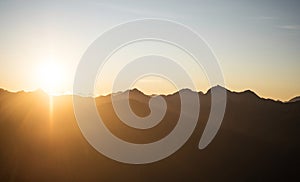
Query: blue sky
{"points": [[257, 42]]}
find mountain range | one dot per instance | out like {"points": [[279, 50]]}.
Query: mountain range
{"points": [[258, 140]]}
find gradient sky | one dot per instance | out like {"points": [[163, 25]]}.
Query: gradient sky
{"points": [[257, 42]]}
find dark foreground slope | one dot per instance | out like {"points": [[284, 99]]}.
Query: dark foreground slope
{"points": [[259, 140]]}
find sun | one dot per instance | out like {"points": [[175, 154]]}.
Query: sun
{"points": [[51, 77]]}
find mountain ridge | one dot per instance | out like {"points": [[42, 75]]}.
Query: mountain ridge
{"points": [[41, 141], [135, 90]]}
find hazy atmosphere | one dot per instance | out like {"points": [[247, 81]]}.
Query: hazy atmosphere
{"points": [[145, 91], [257, 43]]}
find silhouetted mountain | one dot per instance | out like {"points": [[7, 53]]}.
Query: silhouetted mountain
{"points": [[258, 140], [295, 99]]}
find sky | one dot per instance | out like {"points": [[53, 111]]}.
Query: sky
{"points": [[256, 42]]}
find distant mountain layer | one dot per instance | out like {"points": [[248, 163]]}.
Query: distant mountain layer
{"points": [[295, 99], [258, 140]]}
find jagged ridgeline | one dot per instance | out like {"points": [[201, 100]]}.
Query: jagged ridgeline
{"points": [[258, 140]]}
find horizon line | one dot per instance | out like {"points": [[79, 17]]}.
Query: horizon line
{"points": [[151, 95]]}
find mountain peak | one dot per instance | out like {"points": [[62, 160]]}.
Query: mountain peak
{"points": [[249, 92], [217, 88], [185, 90], [295, 99]]}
